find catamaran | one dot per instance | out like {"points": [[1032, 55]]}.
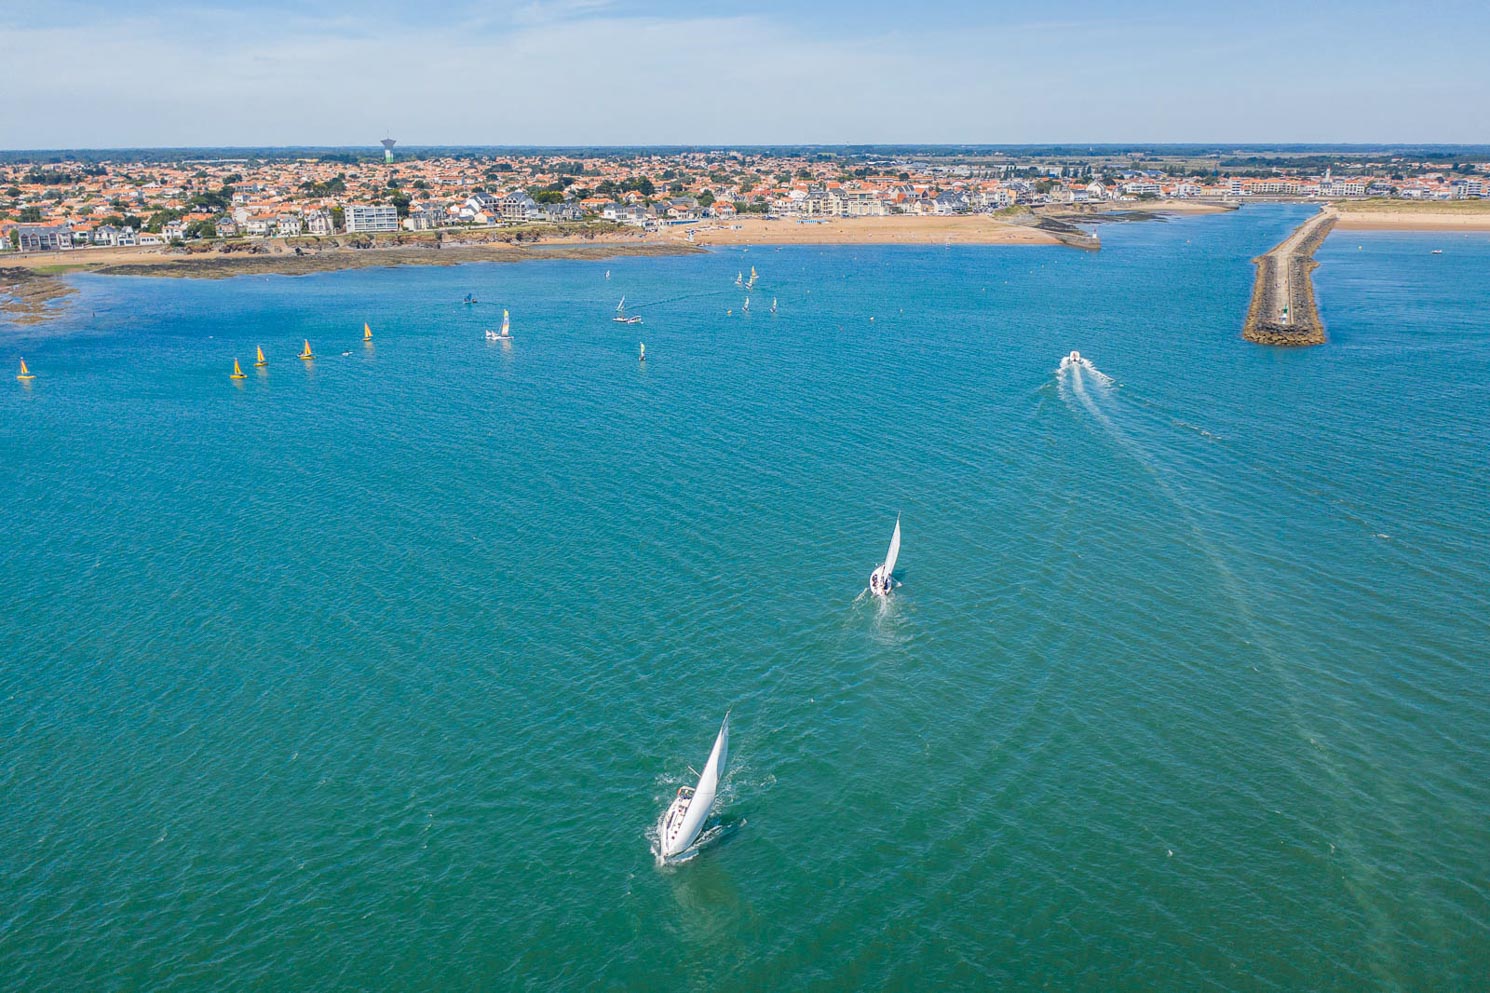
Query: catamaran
{"points": [[622, 317], [882, 579], [684, 819], [506, 333], [26, 374]]}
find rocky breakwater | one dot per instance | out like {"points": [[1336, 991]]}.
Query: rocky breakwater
{"points": [[1283, 310]]}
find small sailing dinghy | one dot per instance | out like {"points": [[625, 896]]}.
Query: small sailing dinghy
{"points": [[680, 825], [26, 374], [751, 285], [622, 317], [260, 362], [773, 305], [366, 334], [739, 279], [505, 334], [306, 354], [643, 356], [882, 579], [237, 372]]}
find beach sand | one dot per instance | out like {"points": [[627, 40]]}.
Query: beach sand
{"points": [[1400, 215], [899, 229]]}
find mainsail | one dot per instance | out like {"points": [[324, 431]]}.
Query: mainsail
{"points": [[681, 831], [894, 550]]}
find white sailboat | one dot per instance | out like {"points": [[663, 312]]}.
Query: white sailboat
{"points": [[751, 285], [746, 308], [685, 816], [882, 579], [506, 333], [773, 305], [621, 315], [739, 279]]}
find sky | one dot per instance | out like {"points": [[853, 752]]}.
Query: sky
{"points": [[147, 73]]}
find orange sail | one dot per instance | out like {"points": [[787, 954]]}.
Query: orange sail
{"points": [[307, 354], [237, 372], [261, 361], [25, 373], [366, 333]]}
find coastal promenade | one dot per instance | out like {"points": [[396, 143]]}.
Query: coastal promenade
{"points": [[1283, 311]]}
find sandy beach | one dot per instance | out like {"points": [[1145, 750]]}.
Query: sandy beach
{"points": [[1402, 215], [968, 229]]}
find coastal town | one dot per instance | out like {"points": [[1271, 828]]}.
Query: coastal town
{"points": [[66, 203]]}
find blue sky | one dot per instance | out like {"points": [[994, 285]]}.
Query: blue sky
{"points": [[88, 73]]}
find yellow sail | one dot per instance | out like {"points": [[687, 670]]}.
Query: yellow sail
{"points": [[237, 372], [25, 373], [366, 333], [261, 360], [307, 355]]}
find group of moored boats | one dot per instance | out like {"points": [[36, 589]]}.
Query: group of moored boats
{"points": [[306, 355]]}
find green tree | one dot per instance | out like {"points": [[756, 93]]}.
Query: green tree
{"points": [[400, 203], [339, 217], [30, 215]]}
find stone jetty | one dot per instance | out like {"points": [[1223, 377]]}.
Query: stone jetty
{"points": [[1283, 310]]}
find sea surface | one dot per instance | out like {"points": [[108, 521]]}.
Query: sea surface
{"points": [[375, 672]]}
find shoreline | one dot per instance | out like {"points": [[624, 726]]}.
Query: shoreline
{"points": [[1398, 215], [894, 229]]}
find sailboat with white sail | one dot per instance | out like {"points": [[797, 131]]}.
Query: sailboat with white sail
{"points": [[679, 827], [882, 579], [773, 305], [622, 317], [751, 284]]}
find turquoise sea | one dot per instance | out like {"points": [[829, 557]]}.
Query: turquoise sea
{"points": [[374, 673]]}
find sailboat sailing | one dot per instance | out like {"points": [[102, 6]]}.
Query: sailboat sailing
{"points": [[882, 579], [366, 334], [506, 333], [26, 374], [680, 825], [751, 285], [306, 354], [773, 305], [622, 317], [260, 362], [238, 373]]}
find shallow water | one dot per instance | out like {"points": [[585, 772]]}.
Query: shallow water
{"points": [[375, 672]]}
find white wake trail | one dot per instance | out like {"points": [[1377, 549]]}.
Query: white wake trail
{"points": [[1235, 592]]}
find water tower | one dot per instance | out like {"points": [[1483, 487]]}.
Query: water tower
{"points": [[388, 144]]}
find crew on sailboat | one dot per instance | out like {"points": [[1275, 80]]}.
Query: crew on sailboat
{"points": [[882, 579]]}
